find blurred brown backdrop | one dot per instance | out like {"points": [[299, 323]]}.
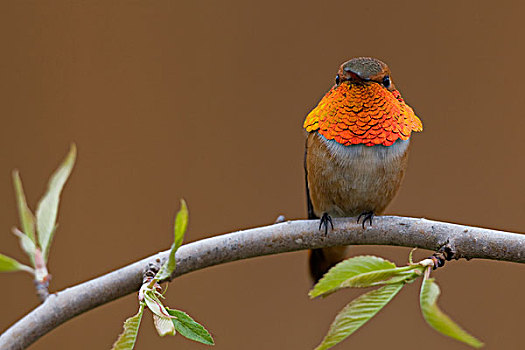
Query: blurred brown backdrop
{"points": [[205, 100]]}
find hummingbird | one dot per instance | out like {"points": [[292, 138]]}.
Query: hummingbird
{"points": [[356, 150]]}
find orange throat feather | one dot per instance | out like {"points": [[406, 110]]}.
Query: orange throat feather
{"points": [[368, 114]]}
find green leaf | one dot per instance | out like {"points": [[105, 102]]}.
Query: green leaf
{"points": [[410, 261], [181, 222], [347, 269], [357, 313], [163, 325], [154, 304], [27, 244], [405, 277], [47, 209], [190, 329], [437, 319], [126, 340], [387, 276], [8, 264], [27, 220]]}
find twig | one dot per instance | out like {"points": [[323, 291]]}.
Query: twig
{"points": [[464, 242]]}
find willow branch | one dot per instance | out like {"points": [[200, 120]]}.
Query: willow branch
{"points": [[464, 241]]}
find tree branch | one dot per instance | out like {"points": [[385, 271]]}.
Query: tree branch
{"points": [[465, 242]]}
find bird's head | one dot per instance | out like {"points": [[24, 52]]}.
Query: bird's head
{"points": [[365, 70], [363, 107]]}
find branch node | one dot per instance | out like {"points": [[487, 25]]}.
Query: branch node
{"points": [[445, 253], [280, 219], [42, 288], [151, 270]]}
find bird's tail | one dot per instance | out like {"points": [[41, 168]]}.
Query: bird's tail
{"points": [[322, 260]]}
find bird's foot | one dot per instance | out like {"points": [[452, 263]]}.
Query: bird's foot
{"points": [[367, 216], [325, 220]]}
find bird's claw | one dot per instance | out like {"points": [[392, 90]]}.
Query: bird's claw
{"points": [[367, 216], [325, 220]]}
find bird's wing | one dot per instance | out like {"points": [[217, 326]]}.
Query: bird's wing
{"points": [[311, 214]]}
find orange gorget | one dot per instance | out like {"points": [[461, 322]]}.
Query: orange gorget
{"points": [[367, 113]]}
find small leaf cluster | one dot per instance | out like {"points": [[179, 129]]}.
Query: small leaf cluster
{"points": [[38, 230], [372, 271], [167, 321]]}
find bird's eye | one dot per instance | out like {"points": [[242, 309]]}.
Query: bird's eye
{"points": [[337, 79], [386, 81]]}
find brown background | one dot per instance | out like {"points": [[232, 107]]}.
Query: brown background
{"points": [[205, 100]]}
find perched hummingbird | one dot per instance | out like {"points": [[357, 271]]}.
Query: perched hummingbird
{"points": [[356, 150]]}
